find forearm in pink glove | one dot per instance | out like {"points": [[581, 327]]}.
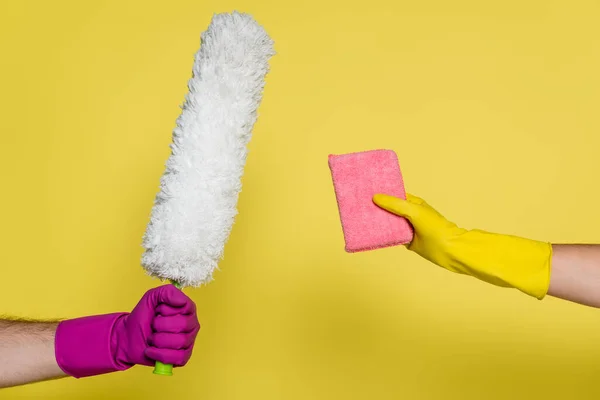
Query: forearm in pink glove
{"points": [[162, 327]]}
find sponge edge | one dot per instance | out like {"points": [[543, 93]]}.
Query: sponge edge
{"points": [[357, 177]]}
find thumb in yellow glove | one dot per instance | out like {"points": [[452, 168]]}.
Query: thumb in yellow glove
{"points": [[502, 260]]}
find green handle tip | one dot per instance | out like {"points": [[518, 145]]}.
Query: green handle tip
{"points": [[162, 369], [176, 284]]}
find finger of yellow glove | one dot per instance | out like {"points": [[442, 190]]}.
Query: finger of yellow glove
{"points": [[395, 205], [420, 202], [421, 215], [414, 199]]}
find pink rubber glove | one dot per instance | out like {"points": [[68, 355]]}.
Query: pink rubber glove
{"points": [[162, 327]]}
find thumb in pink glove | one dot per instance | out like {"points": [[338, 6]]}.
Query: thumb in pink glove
{"points": [[162, 327]]}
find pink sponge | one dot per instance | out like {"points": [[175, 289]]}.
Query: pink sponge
{"points": [[357, 177]]}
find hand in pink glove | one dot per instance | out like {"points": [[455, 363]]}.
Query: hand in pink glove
{"points": [[162, 327]]}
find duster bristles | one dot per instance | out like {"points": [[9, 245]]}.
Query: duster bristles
{"points": [[195, 208]]}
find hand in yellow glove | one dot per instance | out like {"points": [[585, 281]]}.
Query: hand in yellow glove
{"points": [[502, 260]]}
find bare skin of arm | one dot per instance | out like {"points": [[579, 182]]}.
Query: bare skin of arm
{"points": [[27, 352], [575, 274]]}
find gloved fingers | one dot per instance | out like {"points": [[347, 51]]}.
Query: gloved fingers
{"points": [[170, 295], [177, 358], [395, 205], [175, 324], [414, 199], [174, 341], [424, 205], [166, 310]]}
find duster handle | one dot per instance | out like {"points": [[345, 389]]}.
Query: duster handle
{"points": [[160, 368]]}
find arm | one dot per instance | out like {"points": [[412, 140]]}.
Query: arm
{"points": [[162, 327], [567, 271], [27, 352], [575, 274]]}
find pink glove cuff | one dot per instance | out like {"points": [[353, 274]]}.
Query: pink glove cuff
{"points": [[83, 345]]}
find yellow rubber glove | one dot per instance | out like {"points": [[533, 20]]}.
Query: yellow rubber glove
{"points": [[502, 260]]}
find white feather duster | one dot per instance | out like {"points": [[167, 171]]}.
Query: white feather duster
{"points": [[195, 209]]}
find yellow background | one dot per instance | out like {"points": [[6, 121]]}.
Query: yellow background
{"points": [[492, 108]]}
